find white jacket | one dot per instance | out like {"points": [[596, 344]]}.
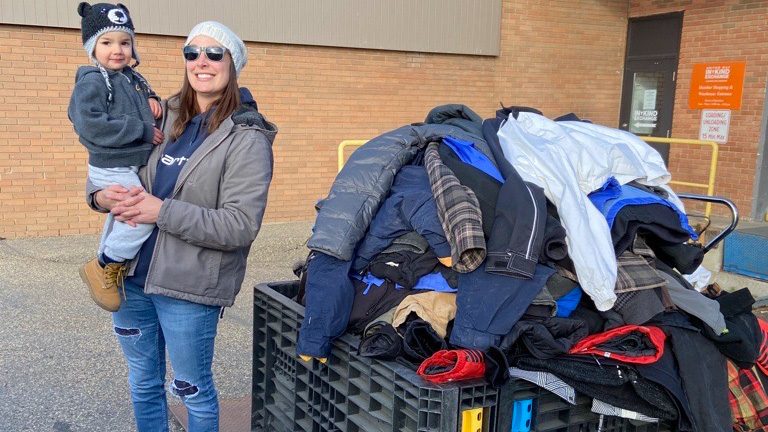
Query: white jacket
{"points": [[569, 160]]}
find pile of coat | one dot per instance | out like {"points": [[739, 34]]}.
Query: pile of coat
{"points": [[551, 250]]}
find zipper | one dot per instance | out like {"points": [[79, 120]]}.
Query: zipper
{"points": [[175, 191]]}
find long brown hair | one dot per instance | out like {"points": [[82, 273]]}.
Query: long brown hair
{"points": [[220, 110]]}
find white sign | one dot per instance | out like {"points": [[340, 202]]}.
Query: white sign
{"points": [[644, 119], [649, 99], [715, 125]]}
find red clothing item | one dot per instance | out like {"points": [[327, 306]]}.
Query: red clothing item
{"points": [[762, 357], [629, 344], [453, 365], [748, 400]]}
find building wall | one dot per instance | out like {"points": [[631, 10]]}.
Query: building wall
{"points": [[725, 30], [403, 25], [318, 96], [563, 57]]}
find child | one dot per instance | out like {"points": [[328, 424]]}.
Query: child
{"points": [[113, 111]]}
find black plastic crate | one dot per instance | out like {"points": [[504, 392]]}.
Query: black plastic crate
{"points": [[351, 393], [550, 413]]}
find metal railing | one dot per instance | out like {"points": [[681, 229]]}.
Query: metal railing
{"points": [[710, 185], [343, 145]]}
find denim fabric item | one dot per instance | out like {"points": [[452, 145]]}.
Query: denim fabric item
{"points": [[489, 305], [145, 326], [119, 241]]}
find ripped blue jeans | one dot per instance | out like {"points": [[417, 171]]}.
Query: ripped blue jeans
{"points": [[147, 325]]}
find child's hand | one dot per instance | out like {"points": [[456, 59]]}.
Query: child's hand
{"points": [[155, 107], [158, 138]]}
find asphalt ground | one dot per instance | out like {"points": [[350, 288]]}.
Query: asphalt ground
{"points": [[61, 368]]}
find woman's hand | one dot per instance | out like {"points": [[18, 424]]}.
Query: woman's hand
{"points": [[110, 196], [141, 209]]}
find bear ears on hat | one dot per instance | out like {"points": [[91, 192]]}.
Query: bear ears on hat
{"points": [[84, 8]]}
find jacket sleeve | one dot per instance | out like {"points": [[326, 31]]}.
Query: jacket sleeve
{"points": [[88, 112], [90, 196], [243, 197]]}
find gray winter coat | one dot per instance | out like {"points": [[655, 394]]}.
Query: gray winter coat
{"points": [[117, 133], [344, 215], [208, 224]]}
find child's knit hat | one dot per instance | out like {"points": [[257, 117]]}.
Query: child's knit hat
{"points": [[104, 18]]}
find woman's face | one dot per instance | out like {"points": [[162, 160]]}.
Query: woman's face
{"points": [[208, 78]]}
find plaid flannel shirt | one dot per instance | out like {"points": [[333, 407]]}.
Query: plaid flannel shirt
{"points": [[459, 213], [748, 400]]}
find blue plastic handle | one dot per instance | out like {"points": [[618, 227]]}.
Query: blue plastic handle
{"points": [[522, 414]]}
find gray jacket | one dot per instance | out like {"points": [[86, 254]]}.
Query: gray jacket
{"points": [[117, 133], [208, 224], [363, 183]]}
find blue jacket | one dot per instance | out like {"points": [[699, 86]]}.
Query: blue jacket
{"points": [[488, 305], [410, 206], [612, 197]]}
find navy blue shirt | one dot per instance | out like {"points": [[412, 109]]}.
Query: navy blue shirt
{"points": [[176, 155]]}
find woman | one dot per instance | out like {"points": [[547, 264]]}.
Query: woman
{"points": [[206, 190]]}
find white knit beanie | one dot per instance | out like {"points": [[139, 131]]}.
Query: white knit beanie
{"points": [[226, 37]]}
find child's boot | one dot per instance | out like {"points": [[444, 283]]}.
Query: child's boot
{"points": [[104, 283]]}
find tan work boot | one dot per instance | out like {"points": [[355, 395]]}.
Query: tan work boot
{"points": [[103, 283]]}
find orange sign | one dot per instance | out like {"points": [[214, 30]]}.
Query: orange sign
{"points": [[717, 85]]}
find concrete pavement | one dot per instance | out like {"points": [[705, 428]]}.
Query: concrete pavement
{"points": [[61, 368]]}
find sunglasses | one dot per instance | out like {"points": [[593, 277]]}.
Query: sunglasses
{"points": [[213, 53]]}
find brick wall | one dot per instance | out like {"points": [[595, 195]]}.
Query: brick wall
{"points": [[725, 30], [556, 56], [563, 57]]}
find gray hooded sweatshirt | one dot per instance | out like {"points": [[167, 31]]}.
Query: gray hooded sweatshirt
{"points": [[116, 132]]}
